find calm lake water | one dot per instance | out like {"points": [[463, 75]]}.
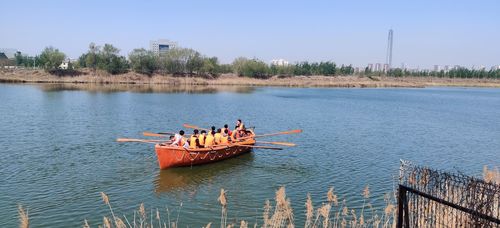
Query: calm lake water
{"points": [[58, 148]]}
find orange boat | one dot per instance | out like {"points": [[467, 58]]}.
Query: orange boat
{"points": [[176, 156]]}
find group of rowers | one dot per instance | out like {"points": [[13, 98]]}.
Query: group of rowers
{"points": [[204, 139]]}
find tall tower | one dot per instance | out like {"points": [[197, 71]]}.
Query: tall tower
{"points": [[388, 59]]}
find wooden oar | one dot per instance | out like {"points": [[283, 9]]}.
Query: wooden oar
{"points": [[194, 127], [260, 147], [296, 131], [153, 134], [139, 140], [278, 143]]}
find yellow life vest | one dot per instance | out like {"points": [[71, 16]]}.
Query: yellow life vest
{"points": [[224, 140], [209, 141], [201, 139], [217, 138], [192, 142]]}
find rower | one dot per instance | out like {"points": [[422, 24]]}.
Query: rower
{"points": [[192, 139], [179, 139], [226, 127], [225, 138], [242, 132], [240, 124], [209, 140], [202, 137], [218, 136], [198, 145], [213, 130], [234, 134]]}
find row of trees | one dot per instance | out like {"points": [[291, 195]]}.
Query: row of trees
{"points": [[257, 68], [50, 59], [106, 58], [185, 61], [454, 73], [177, 61]]}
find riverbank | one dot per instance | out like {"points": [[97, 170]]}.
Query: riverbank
{"points": [[86, 77]]}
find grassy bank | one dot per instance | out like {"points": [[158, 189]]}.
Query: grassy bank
{"points": [[88, 77]]}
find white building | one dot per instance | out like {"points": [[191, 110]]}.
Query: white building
{"points": [[279, 62], [161, 46], [386, 67], [66, 63], [370, 66]]}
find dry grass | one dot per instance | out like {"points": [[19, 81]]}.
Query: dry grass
{"points": [[39, 76]]}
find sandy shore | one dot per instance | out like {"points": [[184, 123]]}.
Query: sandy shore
{"points": [[40, 76]]}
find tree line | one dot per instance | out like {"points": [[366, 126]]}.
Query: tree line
{"points": [[460, 72], [188, 62]]}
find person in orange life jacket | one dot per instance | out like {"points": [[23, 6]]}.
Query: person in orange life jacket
{"points": [[193, 138], [213, 130], [179, 139]]}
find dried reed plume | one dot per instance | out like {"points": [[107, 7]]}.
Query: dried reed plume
{"points": [[243, 224], [222, 198], [332, 198], [106, 222], [24, 221], [265, 215], [309, 210], [366, 192], [223, 202], [324, 212], [283, 212], [491, 175]]}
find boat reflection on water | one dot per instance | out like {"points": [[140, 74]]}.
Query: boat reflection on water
{"points": [[190, 178], [145, 88]]}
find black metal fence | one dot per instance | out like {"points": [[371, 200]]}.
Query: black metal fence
{"points": [[432, 198]]}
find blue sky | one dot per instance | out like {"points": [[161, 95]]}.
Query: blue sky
{"points": [[347, 32]]}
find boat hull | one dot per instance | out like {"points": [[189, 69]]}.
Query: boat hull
{"points": [[174, 156]]}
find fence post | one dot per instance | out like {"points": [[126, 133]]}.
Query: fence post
{"points": [[402, 208]]}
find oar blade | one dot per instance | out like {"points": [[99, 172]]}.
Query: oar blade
{"points": [[190, 126], [151, 134], [124, 140], [278, 143]]}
